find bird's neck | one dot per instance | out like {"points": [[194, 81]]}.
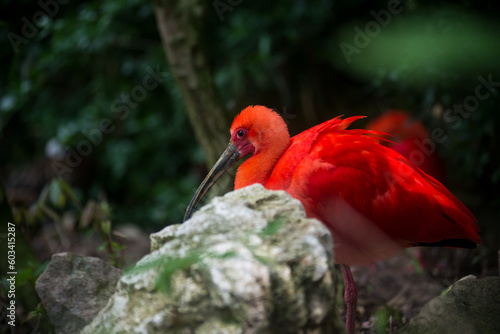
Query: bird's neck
{"points": [[258, 168]]}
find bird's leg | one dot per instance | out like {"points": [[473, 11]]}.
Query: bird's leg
{"points": [[350, 297]]}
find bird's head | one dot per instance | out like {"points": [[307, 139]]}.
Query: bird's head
{"points": [[255, 129]]}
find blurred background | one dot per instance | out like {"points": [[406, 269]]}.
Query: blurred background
{"points": [[102, 135]]}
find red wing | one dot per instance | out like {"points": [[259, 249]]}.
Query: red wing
{"points": [[301, 145], [372, 199]]}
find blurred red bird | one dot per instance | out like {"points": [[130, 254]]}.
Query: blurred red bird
{"points": [[371, 198], [411, 139]]}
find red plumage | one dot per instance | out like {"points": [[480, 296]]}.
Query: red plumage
{"points": [[411, 139], [373, 200], [333, 171]]}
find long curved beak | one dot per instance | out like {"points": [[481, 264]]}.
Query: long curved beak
{"points": [[226, 161]]}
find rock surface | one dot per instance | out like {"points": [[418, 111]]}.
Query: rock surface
{"points": [[74, 288], [470, 306], [249, 262]]}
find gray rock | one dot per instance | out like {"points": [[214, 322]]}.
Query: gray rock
{"points": [[249, 262], [470, 306], [74, 288]]}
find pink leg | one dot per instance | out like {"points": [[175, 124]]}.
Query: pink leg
{"points": [[350, 297]]}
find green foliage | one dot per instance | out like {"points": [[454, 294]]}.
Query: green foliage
{"points": [[267, 37], [77, 69], [73, 74], [25, 295], [424, 47], [39, 317], [54, 202], [387, 317], [416, 265]]}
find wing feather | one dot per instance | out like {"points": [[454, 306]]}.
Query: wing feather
{"points": [[372, 199]]}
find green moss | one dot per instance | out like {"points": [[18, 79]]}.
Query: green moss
{"points": [[272, 227]]}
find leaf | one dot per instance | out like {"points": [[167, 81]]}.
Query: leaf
{"points": [[18, 214], [24, 276], [117, 247], [38, 212], [106, 227], [56, 194], [69, 191], [36, 313], [385, 316], [40, 269], [105, 208], [418, 268], [87, 214], [43, 194], [50, 213]]}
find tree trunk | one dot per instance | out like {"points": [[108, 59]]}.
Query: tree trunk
{"points": [[180, 24]]}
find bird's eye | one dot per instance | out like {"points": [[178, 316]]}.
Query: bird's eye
{"points": [[240, 133]]}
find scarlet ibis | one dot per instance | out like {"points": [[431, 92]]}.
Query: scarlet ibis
{"points": [[411, 139], [371, 198]]}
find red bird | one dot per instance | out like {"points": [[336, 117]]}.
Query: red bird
{"points": [[410, 139], [372, 199]]}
